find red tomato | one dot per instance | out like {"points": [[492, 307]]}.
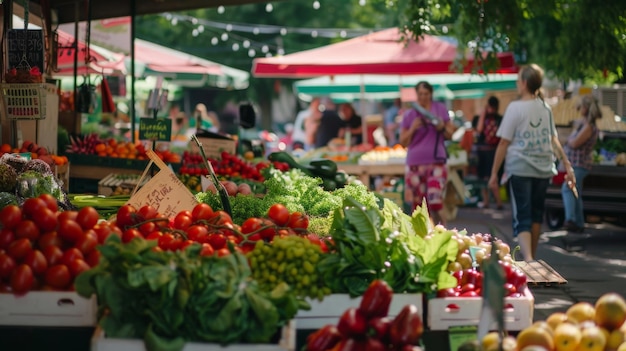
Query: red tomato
{"points": [[10, 216], [37, 262], [19, 248], [269, 231], [147, 228], [201, 212], [223, 252], [126, 216], [67, 215], [175, 244], [45, 219], [221, 217], [103, 230], [147, 212], [22, 279], [93, 258], [251, 225], [279, 214], [196, 231], [27, 229], [130, 234], [468, 287], [154, 235], [470, 293], [87, 217], [87, 242], [49, 239], [53, 254], [58, 276], [78, 266], [185, 244], [450, 292], [164, 241], [7, 265], [207, 250], [6, 238], [69, 230], [51, 202], [70, 255], [32, 206], [298, 220], [217, 241], [182, 221]]}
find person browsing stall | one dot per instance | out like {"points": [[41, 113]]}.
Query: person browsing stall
{"points": [[579, 150], [353, 124], [529, 140], [423, 131]]}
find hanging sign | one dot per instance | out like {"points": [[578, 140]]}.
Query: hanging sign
{"points": [[25, 47], [155, 129]]}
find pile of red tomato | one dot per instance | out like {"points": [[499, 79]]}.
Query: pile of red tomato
{"points": [[214, 230], [43, 249]]}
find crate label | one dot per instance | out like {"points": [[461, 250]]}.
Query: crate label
{"points": [[460, 335], [156, 129]]}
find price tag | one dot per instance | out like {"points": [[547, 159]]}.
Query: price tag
{"points": [[155, 129]]}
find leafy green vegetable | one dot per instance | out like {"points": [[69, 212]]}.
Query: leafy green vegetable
{"points": [[168, 298]]}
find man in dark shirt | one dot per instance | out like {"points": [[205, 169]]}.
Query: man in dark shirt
{"points": [[329, 126]]}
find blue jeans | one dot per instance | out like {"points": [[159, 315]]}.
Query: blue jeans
{"points": [[573, 206], [528, 197]]}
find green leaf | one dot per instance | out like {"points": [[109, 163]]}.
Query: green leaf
{"points": [[84, 282], [421, 220], [155, 342], [155, 276]]}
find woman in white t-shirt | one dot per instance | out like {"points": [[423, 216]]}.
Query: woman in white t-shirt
{"points": [[529, 140]]}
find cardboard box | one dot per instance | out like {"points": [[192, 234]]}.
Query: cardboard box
{"points": [[47, 309], [62, 172], [287, 343], [329, 310], [447, 312]]}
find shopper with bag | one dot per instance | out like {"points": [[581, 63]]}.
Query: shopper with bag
{"points": [[424, 129]]}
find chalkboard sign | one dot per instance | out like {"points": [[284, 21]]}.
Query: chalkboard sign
{"points": [[25, 44], [157, 129]]}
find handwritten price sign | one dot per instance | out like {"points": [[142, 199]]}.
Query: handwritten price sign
{"points": [[156, 129]]}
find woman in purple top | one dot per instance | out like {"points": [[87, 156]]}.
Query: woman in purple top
{"points": [[424, 129]]}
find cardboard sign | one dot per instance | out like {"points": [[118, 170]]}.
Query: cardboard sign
{"points": [[155, 129], [164, 191], [25, 44]]}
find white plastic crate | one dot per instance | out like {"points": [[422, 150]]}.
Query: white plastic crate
{"points": [[329, 310], [447, 312], [47, 308], [287, 343]]}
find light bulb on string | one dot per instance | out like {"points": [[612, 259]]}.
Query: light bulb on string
{"points": [[362, 2], [444, 29], [214, 41], [283, 31], [265, 49], [255, 31], [280, 51], [201, 28], [195, 32], [174, 21], [316, 5], [314, 34], [269, 54], [221, 9], [168, 16], [194, 20], [229, 27], [343, 34], [224, 36], [269, 8], [246, 44], [251, 53], [235, 47]]}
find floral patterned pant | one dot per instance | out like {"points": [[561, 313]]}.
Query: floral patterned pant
{"points": [[425, 182]]}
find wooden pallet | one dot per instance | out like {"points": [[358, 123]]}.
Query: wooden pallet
{"points": [[540, 273]]}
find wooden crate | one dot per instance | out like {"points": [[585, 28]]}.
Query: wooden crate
{"points": [[540, 273], [47, 309], [62, 172]]}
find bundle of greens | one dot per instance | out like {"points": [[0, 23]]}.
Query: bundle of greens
{"points": [[169, 298]]}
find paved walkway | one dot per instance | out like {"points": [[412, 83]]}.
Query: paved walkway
{"points": [[593, 263]]}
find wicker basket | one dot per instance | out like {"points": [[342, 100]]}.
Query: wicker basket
{"points": [[25, 101]]}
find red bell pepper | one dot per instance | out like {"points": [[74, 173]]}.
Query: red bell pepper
{"points": [[376, 300], [407, 327], [352, 323], [324, 339], [379, 327]]}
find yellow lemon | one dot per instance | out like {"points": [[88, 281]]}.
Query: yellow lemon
{"points": [[581, 312], [555, 319], [593, 339], [535, 336], [567, 337]]}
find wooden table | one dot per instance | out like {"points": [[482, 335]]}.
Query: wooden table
{"points": [[455, 190]]}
